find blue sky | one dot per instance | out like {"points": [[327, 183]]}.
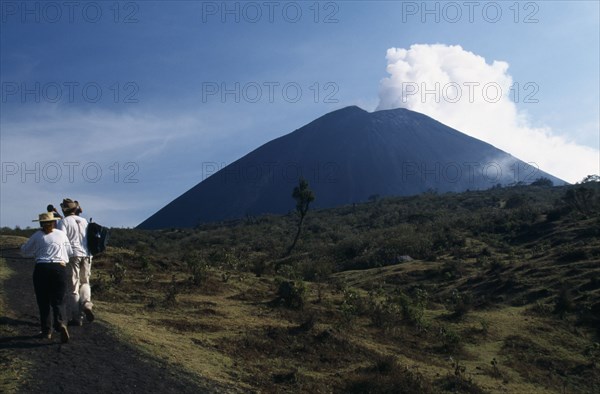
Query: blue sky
{"points": [[121, 105]]}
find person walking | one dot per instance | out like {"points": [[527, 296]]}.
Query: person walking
{"points": [[80, 264], [51, 249]]}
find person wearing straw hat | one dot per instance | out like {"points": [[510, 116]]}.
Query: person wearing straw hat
{"points": [[79, 292], [51, 249]]}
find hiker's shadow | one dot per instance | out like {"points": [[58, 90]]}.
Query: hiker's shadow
{"points": [[19, 341], [23, 342], [15, 322]]}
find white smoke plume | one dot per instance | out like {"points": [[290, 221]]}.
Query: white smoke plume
{"points": [[463, 91]]}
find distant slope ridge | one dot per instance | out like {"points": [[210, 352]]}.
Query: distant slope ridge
{"points": [[347, 156]]}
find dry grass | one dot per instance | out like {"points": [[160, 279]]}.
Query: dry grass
{"points": [[11, 241], [234, 335]]}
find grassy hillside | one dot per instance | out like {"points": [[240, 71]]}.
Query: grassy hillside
{"points": [[487, 291]]}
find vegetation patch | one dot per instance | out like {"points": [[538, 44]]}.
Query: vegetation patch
{"points": [[384, 296], [545, 366], [386, 375]]}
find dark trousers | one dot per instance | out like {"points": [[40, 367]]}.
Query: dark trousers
{"points": [[50, 284]]}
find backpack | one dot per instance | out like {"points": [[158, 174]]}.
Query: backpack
{"points": [[97, 238]]}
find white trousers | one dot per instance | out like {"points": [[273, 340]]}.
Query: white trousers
{"points": [[80, 292]]}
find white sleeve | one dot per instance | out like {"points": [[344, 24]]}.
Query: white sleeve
{"points": [[28, 248]]}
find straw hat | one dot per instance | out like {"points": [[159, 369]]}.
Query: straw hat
{"points": [[46, 217]]}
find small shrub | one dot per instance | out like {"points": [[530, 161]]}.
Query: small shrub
{"points": [[350, 248], [460, 303], [258, 267], [515, 201], [583, 200], [392, 310], [413, 309], [99, 285], [285, 377], [457, 382], [542, 182], [452, 269], [385, 364], [385, 314], [593, 353], [312, 269], [451, 339], [352, 305], [564, 302], [171, 293], [142, 255], [541, 309], [486, 252], [118, 273], [148, 279], [495, 371], [225, 276], [292, 294], [290, 271], [386, 376], [485, 327], [496, 265], [197, 266], [555, 214]]}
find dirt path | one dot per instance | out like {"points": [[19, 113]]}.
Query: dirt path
{"points": [[93, 360]]}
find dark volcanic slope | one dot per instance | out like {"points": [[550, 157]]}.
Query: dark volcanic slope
{"points": [[347, 156]]}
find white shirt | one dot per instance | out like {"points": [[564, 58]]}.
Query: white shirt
{"points": [[76, 229], [48, 248]]}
